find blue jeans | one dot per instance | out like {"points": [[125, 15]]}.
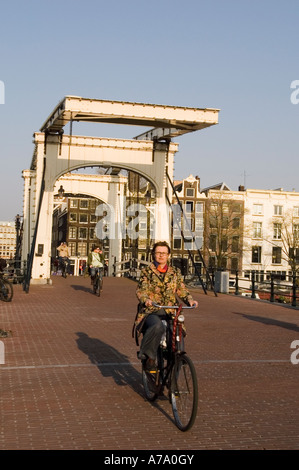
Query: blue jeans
{"points": [[93, 271], [152, 330], [62, 259]]}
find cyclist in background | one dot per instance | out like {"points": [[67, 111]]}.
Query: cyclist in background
{"points": [[64, 254], [95, 261], [160, 283]]}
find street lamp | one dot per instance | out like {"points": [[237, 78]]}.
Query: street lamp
{"points": [[61, 192]]}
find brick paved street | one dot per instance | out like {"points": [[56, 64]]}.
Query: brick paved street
{"points": [[71, 379]]}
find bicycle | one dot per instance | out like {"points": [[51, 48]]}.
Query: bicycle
{"points": [[98, 282], [6, 290], [175, 371], [64, 266]]}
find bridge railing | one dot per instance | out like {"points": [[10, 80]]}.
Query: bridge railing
{"points": [[273, 289], [15, 271], [129, 268]]}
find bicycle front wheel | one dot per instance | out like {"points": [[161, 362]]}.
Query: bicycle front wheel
{"points": [[63, 270], [184, 392], [6, 291], [101, 283], [96, 287]]}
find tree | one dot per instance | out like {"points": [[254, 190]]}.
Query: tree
{"points": [[224, 230], [286, 239]]}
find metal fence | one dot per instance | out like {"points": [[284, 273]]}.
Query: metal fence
{"points": [[273, 289]]}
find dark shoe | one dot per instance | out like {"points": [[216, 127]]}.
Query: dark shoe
{"points": [[150, 365]]}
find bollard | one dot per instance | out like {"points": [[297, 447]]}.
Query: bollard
{"points": [[237, 283], [253, 284], [272, 298], [294, 291]]}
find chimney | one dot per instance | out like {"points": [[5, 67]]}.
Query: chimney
{"points": [[241, 188]]}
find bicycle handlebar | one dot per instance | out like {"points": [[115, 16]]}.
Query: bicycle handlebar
{"points": [[174, 307]]}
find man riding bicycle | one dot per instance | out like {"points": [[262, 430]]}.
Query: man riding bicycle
{"points": [[63, 256], [95, 261], [159, 283]]}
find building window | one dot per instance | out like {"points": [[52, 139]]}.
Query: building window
{"points": [[235, 244], [234, 264], [82, 232], [257, 209], [294, 255], [72, 248], [296, 211], [256, 255], [212, 242], [188, 243], [236, 222], [177, 243], [73, 232], [276, 255], [188, 223], [213, 221], [73, 203], [83, 203], [277, 231], [189, 207], [198, 243], [237, 207], [277, 210], [83, 218], [199, 207], [296, 232], [82, 249], [257, 229], [73, 217], [224, 244], [225, 221], [190, 192]]}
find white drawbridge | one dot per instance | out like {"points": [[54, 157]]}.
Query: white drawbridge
{"points": [[150, 154]]}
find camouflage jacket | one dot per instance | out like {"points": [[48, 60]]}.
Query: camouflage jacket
{"points": [[160, 288]]}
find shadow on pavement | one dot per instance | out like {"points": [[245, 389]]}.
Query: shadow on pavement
{"points": [[110, 362], [82, 288], [270, 321]]}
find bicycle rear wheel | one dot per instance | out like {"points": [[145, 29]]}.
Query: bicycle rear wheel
{"points": [[184, 392], [6, 291]]}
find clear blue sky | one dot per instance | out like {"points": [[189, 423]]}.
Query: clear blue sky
{"points": [[239, 56]]}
